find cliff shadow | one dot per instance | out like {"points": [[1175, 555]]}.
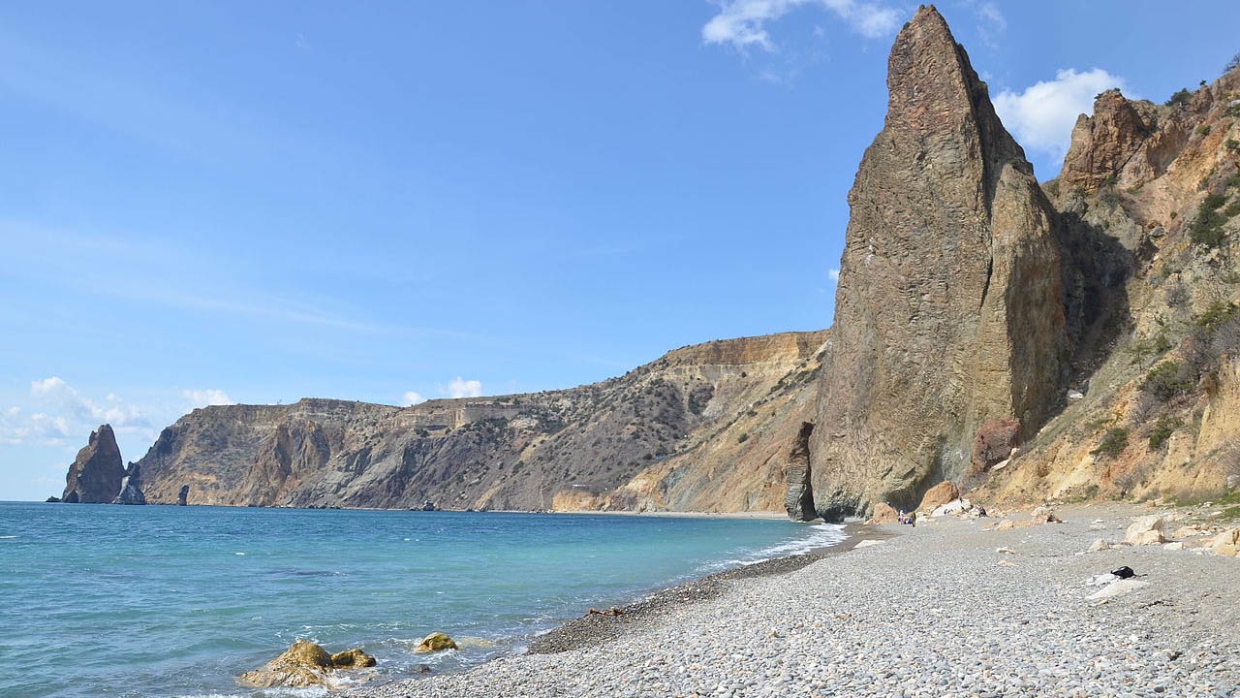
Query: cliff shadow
{"points": [[1096, 269]]}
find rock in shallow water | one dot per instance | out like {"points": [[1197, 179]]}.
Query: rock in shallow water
{"points": [[305, 664], [436, 642]]}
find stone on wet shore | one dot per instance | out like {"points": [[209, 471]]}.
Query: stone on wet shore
{"points": [[305, 664], [435, 642]]}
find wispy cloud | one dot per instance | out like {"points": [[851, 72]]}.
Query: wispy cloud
{"points": [[833, 275], [1042, 116], [158, 273], [412, 398], [743, 23]]}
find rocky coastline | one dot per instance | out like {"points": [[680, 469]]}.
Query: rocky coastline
{"points": [[956, 606]]}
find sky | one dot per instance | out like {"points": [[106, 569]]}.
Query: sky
{"points": [[238, 202]]}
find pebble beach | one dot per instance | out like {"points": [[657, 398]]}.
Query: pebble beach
{"points": [[950, 608]]}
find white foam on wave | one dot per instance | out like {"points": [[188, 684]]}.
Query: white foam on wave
{"points": [[823, 536], [6, 537]]}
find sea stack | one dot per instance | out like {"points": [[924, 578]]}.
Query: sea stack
{"points": [[949, 309], [131, 488], [95, 475]]}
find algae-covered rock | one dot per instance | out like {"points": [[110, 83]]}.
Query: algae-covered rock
{"points": [[436, 642], [305, 664], [352, 659]]}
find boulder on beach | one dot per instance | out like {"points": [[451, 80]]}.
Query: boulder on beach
{"points": [[435, 642], [1226, 543], [1044, 515], [1145, 530], [942, 493], [305, 664], [884, 513]]}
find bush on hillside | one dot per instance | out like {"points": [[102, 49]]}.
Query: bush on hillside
{"points": [[1167, 380], [1162, 430], [1113, 443], [1181, 98]]}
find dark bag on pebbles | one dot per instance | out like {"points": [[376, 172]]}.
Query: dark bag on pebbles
{"points": [[1124, 572]]}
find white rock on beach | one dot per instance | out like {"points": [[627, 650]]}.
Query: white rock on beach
{"points": [[1119, 588], [1145, 530], [869, 543]]}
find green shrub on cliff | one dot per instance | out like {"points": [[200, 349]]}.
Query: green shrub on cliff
{"points": [[1167, 380], [1113, 443], [1181, 98], [1162, 430], [1207, 228]]}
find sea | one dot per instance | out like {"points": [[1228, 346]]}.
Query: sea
{"points": [[161, 601]]}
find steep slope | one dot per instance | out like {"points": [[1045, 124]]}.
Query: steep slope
{"points": [[634, 442], [948, 313], [95, 475], [1149, 198]]}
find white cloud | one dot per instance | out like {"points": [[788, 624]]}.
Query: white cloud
{"points": [[742, 22], [459, 387], [833, 274], [1042, 116], [64, 415], [204, 398], [412, 398]]}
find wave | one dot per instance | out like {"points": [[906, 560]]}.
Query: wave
{"points": [[822, 536]]}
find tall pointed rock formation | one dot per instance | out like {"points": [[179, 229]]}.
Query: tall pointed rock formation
{"points": [[95, 475], [949, 311]]}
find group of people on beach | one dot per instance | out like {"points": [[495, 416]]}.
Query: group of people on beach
{"points": [[909, 518]]}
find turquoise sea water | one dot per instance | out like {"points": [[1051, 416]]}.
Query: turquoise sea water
{"points": [[101, 600]]}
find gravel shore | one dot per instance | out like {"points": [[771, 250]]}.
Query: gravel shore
{"points": [[938, 611]]}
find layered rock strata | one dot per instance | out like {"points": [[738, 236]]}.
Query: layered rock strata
{"points": [[949, 306], [705, 428]]}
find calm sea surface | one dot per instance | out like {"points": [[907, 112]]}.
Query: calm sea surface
{"points": [[101, 600]]}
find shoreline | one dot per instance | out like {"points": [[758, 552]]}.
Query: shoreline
{"points": [[593, 629], [952, 607]]}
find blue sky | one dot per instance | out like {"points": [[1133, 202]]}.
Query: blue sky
{"points": [[254, 202]]}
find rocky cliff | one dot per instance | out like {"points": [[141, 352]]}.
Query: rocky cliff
{"points": [[95, 475], [949, 310], [703, 428], [1149, 205], [1075, 340]]}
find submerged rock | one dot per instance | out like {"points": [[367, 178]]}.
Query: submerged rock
{"points": [[305, 664]]}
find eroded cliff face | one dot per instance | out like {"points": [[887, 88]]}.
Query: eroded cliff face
{"points": [[632, 442], [949, 310], [1149, 201], [96, 474]]}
